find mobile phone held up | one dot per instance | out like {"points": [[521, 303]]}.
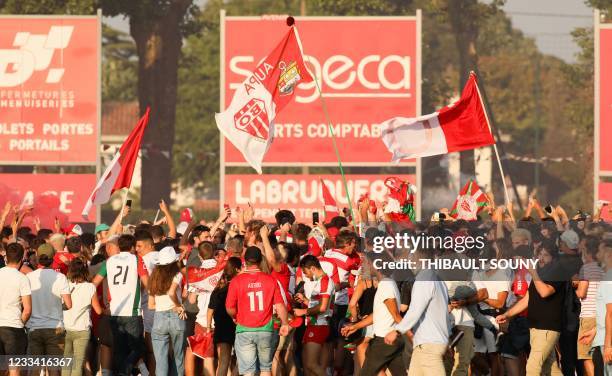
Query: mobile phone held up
{"points": [[128, 203], [315, 218]]}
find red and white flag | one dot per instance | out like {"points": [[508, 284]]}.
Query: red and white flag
{"points": [[248, 122], [329, 204], [119, 173], [470, 201], [460, 126]]}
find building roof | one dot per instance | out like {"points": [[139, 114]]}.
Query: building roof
{"points": [[119, 118]]}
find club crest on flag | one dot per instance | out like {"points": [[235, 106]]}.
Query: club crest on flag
{"points": [[248, 122], [289, 78], [252, 118], [466, 208]]}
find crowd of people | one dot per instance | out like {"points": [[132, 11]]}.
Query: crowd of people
{"points": [[242, 296]]}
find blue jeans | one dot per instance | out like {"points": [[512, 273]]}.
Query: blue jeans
{"points": [[254, 352], [167, 326]]}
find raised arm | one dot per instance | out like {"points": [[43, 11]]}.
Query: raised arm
{"points": [[264, 232], [170, 221], [117, 228]]}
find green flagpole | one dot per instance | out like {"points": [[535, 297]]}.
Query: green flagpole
{"points": [[331, 131]]}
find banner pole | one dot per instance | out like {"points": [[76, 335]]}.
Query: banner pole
{"points": [[156, 215], [331, 129], [501, 169]]}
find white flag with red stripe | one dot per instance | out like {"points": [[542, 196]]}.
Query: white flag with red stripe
{"points": [[461, 126], [248, 122], [329, 203], [119, 172]]}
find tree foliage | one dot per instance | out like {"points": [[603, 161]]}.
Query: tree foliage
{"points": [[120, 66]]}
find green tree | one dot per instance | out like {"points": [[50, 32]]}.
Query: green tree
{"points": [[119, 66], [603, 5], [158, 28]]}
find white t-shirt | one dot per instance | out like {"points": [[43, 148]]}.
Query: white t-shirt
{"points": [[383, 321], [149, 260], [77, 317], [163, 302], [123, 272], [47, 286], [497, 282], [14, 285]]}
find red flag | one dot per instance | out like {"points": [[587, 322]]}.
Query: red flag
{"points": [[248, 122], [470, 201], [330, 207], [460, 126], [119, 173]]}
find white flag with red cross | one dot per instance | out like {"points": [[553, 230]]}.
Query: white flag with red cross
{"points": [[248, 122]]}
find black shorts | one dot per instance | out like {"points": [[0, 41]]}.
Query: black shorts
{"points": [[516, 341], [190, 324], [13, 341], [336, 321], [103, 332]]}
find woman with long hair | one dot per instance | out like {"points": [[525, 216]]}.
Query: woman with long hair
{"points": [[77, 320], [169, 317], [225, 329]]}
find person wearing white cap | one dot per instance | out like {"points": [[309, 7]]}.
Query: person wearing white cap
{"points": [[169, 319], [571, 262]]}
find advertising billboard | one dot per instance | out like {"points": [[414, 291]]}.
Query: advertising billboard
{"points": [[301, 194], [364, 81], [49, 90]]}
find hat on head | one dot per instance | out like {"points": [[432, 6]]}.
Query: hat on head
{"points": [[73, 230], [167, 256], [570, 238], [45, 249], [253, 254], [102, 227], [521, 234]]}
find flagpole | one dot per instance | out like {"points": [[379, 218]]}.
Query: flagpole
{"points": [[156, 215], [501, 169], [331, 129]]}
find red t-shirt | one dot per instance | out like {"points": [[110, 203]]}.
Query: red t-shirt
{"points": [[61, 261], [283, 276], [253, 294]]}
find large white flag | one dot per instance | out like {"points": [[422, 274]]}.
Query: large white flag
{"points": [[248, 122]]}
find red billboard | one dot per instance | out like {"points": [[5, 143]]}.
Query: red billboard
{"points": [[364, 81], [49, 85], [51, 195], [300, 193], [605, 100], [605, 193]]}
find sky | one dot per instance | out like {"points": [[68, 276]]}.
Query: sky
{"points": [[549, 22]]}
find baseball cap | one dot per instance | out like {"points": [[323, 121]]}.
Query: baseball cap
{"points": [[45, 249], [167, 256], [570, 238], [73, 230], [102, 227], [253, 254]]}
